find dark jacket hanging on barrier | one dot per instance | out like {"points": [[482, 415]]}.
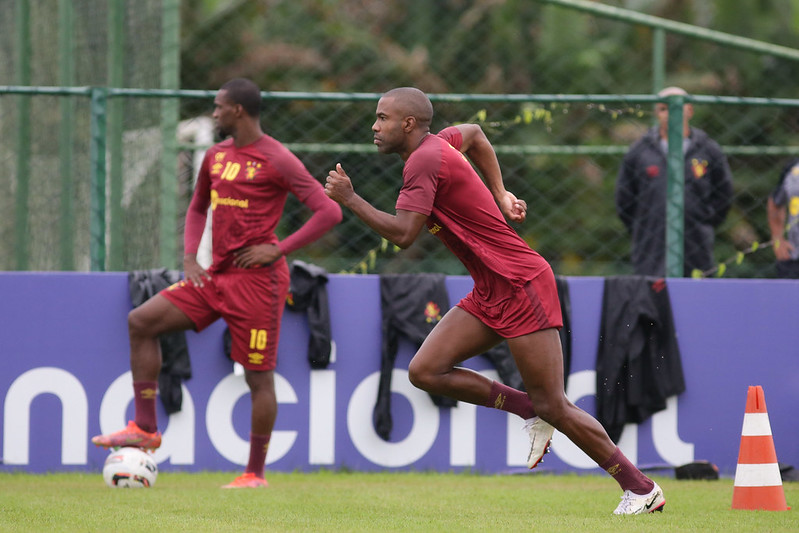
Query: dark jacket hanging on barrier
{"points": [[308, 292], [412, 304], [638, 359], [175, 362], [566, 331]]}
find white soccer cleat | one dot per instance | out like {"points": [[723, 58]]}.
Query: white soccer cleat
{"points": [[632, 503], [540, 436]]}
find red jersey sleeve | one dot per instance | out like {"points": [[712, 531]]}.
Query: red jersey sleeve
{"points": [[420, 180], [198, 209], [326, 212], [453, 136], [422, 173]]}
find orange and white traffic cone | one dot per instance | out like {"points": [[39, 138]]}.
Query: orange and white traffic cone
{"points": [[758, 484]]}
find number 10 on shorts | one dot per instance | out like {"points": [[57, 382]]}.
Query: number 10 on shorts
{"points": [[257, 339]]}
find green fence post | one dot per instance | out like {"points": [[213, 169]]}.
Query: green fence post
{"points": [[23, 68], [116, 63], [66, 77], [675, 205], [98, 175], [658, 59], [170, 79]]}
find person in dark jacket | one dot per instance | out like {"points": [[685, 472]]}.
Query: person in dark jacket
{"points": [[641, 194]]}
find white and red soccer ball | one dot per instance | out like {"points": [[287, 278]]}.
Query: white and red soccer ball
{"points": [[130, 468]]}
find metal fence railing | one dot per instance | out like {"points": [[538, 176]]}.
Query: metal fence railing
{"points": [[99, 164], [96, 180]]}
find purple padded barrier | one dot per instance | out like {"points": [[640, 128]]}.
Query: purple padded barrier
{"points": [[65, 377]]}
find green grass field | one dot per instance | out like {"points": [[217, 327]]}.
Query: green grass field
{"points": [[383, 502]]}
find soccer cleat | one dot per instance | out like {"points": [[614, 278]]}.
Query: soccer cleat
{"points": [[632, 503], [248, 480], [540, 436], [132, 436]]}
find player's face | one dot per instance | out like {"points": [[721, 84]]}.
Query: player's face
{"points": [[389, 136], [224, 115]]}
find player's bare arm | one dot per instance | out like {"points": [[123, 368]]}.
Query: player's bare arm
{"points": [[193, 272], [776, 221], [478, 149], [401, 229]]}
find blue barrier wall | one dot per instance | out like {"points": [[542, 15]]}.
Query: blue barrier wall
{"points": [[63, 347]]}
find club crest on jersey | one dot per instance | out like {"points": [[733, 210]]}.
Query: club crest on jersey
{"points": [[251, 168]]}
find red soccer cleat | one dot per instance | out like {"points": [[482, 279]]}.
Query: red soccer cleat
{"points": [[248, 480], [132, 436]]}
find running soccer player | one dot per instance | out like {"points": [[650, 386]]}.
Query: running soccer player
{"points": [[514, 295]]}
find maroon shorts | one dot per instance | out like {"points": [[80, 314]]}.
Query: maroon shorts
{"points": [[513, 310], [251, 301]]}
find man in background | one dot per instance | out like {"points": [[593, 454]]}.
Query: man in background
{"points": [[641, 192], [783, 221]]}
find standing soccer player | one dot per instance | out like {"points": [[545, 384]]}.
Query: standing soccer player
{"points": [[514, 295], [245, 179]]}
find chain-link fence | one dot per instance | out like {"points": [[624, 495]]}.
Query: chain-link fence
{"points": [[562, 155]]}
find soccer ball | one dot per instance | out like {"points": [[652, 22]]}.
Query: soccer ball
{"points": [[130, 468]]}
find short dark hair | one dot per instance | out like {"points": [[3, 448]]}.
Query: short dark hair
{"points": [[245, 93], [413, 102]]}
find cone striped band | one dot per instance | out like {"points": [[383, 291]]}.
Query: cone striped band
{"points": [[758, 483], [767, 475], [756, 424]]}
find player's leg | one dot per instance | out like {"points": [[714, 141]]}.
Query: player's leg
{"points": [[255, 348], [263, 401], [255, 303], [146, 323], [457, 337], [154, 317], [264, 413], [540, 360]]}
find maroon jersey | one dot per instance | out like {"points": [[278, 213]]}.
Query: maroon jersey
{"points": [[439, 181], [246, 188]]}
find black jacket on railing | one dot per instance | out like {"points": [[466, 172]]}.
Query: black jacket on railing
{"points": [[308, 293], [638, 362]]}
